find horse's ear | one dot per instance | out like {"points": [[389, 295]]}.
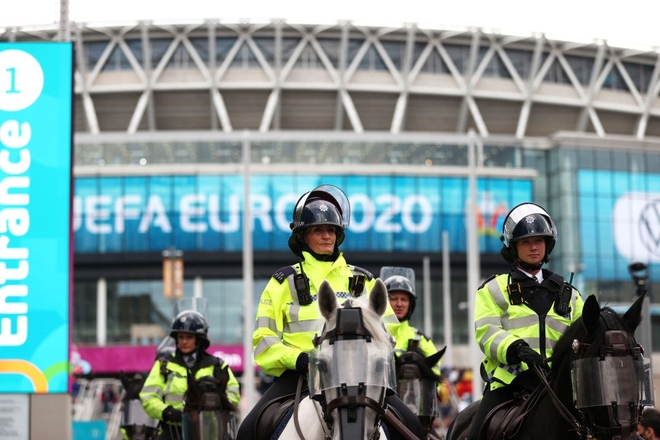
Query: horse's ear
{"points": [[433, 360], [123, 379], [633, 316], [378, 297], [591, 313], [327, 300]]}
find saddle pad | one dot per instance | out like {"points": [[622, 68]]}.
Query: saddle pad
{"points": [[282, 424]]}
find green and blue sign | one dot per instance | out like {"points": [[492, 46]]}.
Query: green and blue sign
{"points": [[35, 201]]}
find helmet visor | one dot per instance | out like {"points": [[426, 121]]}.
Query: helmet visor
{"points": [[388, 271], [517, 216], [329, 193]]}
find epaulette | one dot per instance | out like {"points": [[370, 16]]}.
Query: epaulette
{"points": [[282, 273], [422, 334], [363, 271], [486, 282]]}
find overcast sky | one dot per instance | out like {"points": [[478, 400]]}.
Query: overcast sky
{"points": [[629, 23]]}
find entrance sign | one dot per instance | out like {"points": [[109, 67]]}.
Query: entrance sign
{"points": [[35, 215]]}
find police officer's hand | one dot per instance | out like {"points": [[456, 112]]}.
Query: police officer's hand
{"points": [[171, 415], [519, 351], [302, 363]]}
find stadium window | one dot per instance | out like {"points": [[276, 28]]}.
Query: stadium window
{"points": [[396, 51], [244, 58], [288, 46], [222, 47], [201, 45], [267, 47], [93, 51], [372, 60], [354, 46], [614, 80], [181, 59], [459, 55], [582, 67], [640, 74], [331, 48], [556, 74], [521, 60], [308, 59], [158, 48]]}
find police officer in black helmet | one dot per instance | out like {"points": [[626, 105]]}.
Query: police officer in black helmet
{"points": [[520, 315]]}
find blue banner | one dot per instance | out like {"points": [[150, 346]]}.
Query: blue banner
{"points": [[35, 200], [204, 212], [619, 223]]}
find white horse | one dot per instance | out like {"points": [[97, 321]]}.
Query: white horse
{"points": [[351, 371]]}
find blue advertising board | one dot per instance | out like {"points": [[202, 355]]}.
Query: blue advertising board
{"points": [[204, 212], [619, 222], [35, 219]]}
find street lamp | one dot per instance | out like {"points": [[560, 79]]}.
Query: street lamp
{"points": [[640, 273]]}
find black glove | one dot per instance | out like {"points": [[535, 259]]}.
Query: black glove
{"points": [[171, 415], [302, 363], [519, 351]]}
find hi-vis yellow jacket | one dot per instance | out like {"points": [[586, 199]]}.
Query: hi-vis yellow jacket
{"points": [[284, 328], [406, 332], [165, 387], [499, 323]]}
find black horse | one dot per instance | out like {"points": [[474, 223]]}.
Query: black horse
{"points": [[136, 424], [599, 360], [418, 383], [208, 414]]}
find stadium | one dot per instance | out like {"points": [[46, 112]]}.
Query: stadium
{"points": [[428, 131]]}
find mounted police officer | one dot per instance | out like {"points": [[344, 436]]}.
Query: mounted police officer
{"points": [[400, 284], [288, 316], [167, 382], [520, 315]]}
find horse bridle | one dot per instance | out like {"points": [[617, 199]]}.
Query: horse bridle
{"points": [[618, 343], [350, 326]]}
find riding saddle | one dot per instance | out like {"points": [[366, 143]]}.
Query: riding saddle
{"points": [[504, 421], [271, 415]]}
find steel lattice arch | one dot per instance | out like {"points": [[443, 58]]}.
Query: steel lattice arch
{"points": [[211, 75]]}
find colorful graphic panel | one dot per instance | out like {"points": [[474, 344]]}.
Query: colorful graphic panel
{"points": [[35, 195]]}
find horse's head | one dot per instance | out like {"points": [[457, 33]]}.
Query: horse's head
{"points": [[132, 385], [610, 380], [418, 383], [136, 422], [206, 407], [352, 365]]}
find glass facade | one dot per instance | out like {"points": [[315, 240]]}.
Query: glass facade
{"points": [[580, 186]]}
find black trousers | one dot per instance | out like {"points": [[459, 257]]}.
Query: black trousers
{"points": [[286, 385]]}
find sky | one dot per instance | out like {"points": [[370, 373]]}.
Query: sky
{"points": [[631, 23]]}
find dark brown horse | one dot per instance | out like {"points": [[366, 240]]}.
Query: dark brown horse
{"points": [[208, 414], [598, 361], [136, 424], [418, 383]]}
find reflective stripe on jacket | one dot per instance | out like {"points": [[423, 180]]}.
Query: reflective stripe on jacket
{"points": [[159, 391], [498, 324], [284, 328]]}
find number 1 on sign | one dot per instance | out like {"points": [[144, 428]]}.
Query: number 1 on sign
{"points": [[12, 80]]}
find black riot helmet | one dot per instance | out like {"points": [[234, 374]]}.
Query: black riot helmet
{"points": [[324, 205], [527, 220], [194, 323], [400, 279]]}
